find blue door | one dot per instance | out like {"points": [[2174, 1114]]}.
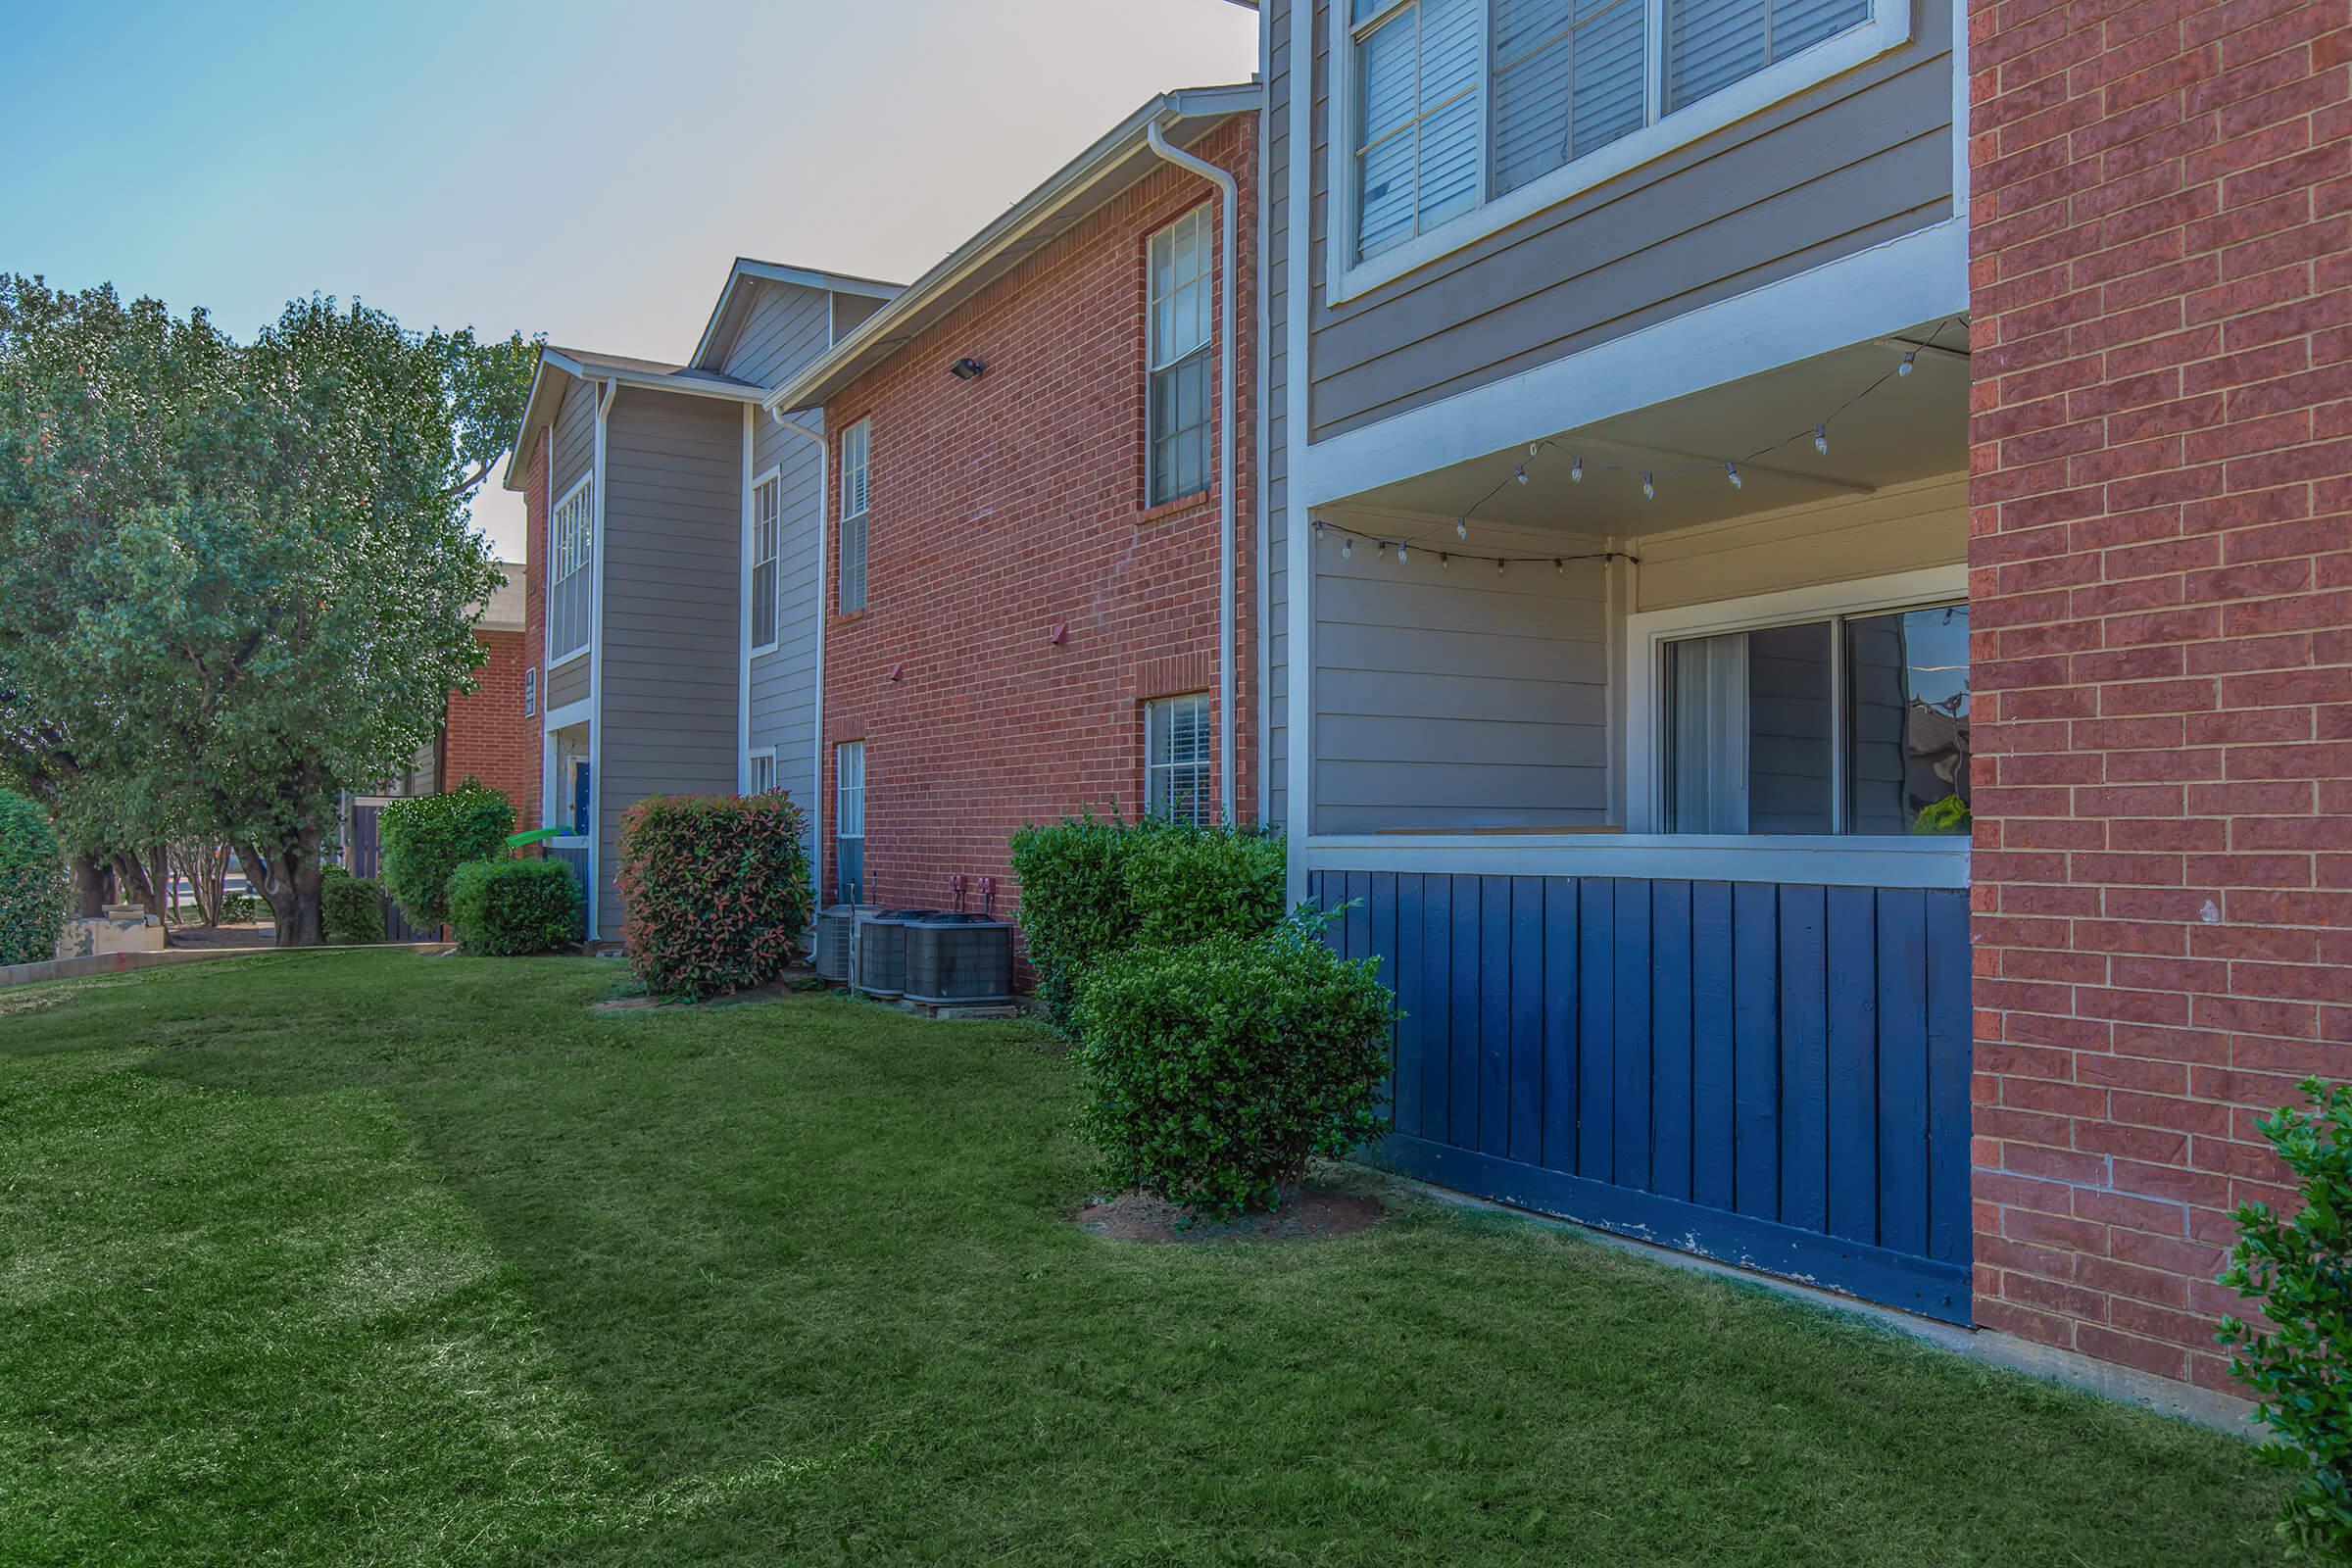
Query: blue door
{"points": [[1773, 1075]]}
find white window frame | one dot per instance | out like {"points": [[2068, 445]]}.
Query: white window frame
{"points": [[774, 560], [1648, 634], [858, 483], [1206, 763], [1888, 27], [843, 751], [584, 494], [750, 769], [1203, 221]]}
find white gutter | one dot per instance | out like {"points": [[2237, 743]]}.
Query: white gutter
{"points": [[1229, 200], [816, 778]]}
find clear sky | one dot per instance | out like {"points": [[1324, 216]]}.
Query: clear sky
{"points": [[583, 169]]}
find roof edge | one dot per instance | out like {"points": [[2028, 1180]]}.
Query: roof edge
{"points": [[1066, 185]]}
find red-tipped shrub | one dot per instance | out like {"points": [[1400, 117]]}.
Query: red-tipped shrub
{"points": [[716, 888]]}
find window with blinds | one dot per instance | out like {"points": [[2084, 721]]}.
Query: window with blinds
{"points": [[1176, 760], [856, 452], [1458, 102], [570, 538], [1177, 398], [763, 563], [849, 820]]}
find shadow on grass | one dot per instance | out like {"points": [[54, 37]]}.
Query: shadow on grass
{"points": [[416, 1255]]}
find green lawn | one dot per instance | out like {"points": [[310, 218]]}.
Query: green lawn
{"points": [[381, 1258]]}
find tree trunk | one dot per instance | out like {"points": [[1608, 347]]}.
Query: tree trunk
{"points": [[93, 886], [143, 878], [290, 881]]}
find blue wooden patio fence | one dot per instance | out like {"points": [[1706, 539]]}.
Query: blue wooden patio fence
{"points": [[1773, 1075]]}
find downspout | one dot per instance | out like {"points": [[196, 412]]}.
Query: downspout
{"points": [[1229, 199], [816, 776], [596, 670]]}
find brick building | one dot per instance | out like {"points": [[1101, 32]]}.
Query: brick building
{"points": [[2161, 573], [1026, 450], [484, 733]]}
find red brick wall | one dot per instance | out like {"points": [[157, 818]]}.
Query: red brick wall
{"points": [[534, 623], [484, 734], [2161, 573], [1005, 508]]}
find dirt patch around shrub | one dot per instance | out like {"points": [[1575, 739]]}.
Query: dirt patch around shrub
{"points": [[1309, 1214]]}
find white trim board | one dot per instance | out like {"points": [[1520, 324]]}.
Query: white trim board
{"points": [[1888, 27], [1885, 288]]}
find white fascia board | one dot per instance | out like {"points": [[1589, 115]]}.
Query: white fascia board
{"points": [[1885, 288]]}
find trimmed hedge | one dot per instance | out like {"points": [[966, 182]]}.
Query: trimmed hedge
{"points": [[1091, 886], [1215, 1071], [35, 895], [504, 909], [716, 888], [428, 837], [351, 908]]}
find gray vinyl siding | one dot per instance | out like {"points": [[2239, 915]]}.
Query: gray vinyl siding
{"points": [[1856, 161], [1451, 698], [673, 476], [568, 684], [573, 432], [785, 328], [1274, 253], [783, 684]]}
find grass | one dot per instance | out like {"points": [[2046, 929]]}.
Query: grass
{"points": [[378, 1259]]}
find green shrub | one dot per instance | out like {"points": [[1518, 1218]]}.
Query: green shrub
{"points": [[1215, 1071], [428, 837], [716, 888], [35, 895], [1186, 884], [2299, 1365], [240, 909], [503, 908], [1091, 886], [351, 908]]}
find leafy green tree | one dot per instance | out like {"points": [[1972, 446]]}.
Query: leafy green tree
{"points": [[241, 577]]}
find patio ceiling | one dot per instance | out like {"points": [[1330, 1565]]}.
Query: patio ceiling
{"points": [[1909, 429]]}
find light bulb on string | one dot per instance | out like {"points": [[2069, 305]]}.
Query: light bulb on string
{"points": [[1461, 527], [1731, 471], [1560, 568], [1821, 439], [1520, 473], [1346, 549], [1318, 530], [1445, 559], [1402, 555], [1649, 488], [1576, 470], [1909, 359], [1499, 564]]}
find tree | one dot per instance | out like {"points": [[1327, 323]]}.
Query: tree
{"points": [[267, 602]]}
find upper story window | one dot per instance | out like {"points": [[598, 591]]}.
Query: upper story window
{"points": [[857, 455], [763, 561], [570, 544], [1504, 106], [1176, 759], [1177, 404]]}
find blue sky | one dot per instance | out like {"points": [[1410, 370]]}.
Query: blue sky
{"points": [[586, 170]]}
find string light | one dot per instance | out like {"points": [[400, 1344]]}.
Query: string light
{"points": [[1318, 530], [1817, 432], [1559, 566]]}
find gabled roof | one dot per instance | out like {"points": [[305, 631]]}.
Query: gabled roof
{"points": [[779, 272], [559, 367], [1111, 164]]}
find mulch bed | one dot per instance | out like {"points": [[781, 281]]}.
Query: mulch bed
{"points": [[264, 934], [1307, 1213]]}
